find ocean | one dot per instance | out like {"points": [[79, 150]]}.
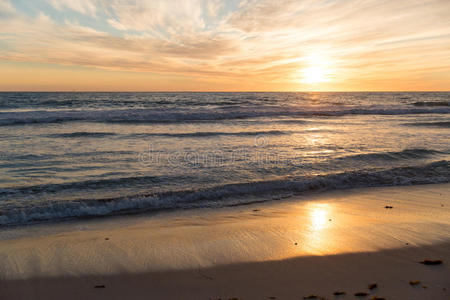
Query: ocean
{"points": [[74, 155]]}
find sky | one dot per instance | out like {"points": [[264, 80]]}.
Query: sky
{"points": [[235, 45]]}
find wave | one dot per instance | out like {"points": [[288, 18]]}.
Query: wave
{"points": [[11, 157], [179, 135], [416, 153], [442, 124], [81, 134], [291, 121], [199, 115], [432, 103], [213, 133], [84, 185], [226, 195]]}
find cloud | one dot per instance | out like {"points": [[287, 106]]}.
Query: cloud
{"points": [[214, 7], [40, 39], [88, 7], [259, 40], [157, 16], [6, 9]]}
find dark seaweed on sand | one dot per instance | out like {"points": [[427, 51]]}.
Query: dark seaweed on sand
{"points": [[339, 293], [431, 262], [311, 297]]}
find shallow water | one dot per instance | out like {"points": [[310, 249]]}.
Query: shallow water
{"points": [[66, 155]]}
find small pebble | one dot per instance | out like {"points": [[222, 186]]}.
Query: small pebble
{"points": [[377, 298], [361, 294], [414, 282], [373, 286], [106, 239], [388, 207]]}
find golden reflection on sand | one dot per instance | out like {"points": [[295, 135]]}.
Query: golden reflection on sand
{"points": [[319, 216], [317, 236]]}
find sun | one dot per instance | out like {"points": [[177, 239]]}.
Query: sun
{"points": [[313, 75], [317, 69]]}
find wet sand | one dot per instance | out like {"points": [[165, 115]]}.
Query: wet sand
{"points": [[339, 241]]}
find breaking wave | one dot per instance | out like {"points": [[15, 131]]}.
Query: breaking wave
{"points": [[225, 195]]}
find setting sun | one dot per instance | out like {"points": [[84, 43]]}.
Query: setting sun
{"points": [[313, 75], [317, 69]]}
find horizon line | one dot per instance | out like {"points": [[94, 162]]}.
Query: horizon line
{"points": [[248, 91]]}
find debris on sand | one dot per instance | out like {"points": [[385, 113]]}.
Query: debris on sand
{"points": [[361, 294], [311, 297], [430, 262], [339, 293], [414, 282], [102, 286], [372, 286]]}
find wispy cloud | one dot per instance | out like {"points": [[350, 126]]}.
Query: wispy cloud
{"points": [[6, 9], [88, 7], [366, 42]]}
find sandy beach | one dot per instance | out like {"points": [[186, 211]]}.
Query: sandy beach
{"points": [[284, 249]]}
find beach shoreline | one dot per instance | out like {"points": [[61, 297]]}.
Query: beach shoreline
{"points": [[288, 249]]}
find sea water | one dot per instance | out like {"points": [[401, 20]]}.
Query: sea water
{"points": [[72, 155]]}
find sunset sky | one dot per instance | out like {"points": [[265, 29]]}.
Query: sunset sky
{"points": [[235, 45]]}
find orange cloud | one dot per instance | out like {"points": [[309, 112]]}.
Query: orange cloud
{"points": [[253, 45]]}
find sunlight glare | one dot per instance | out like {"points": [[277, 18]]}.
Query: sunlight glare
{"points": [[318, 218], [317, 70]]}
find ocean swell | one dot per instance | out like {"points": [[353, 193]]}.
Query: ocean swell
{"points": [[198, 115]]}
